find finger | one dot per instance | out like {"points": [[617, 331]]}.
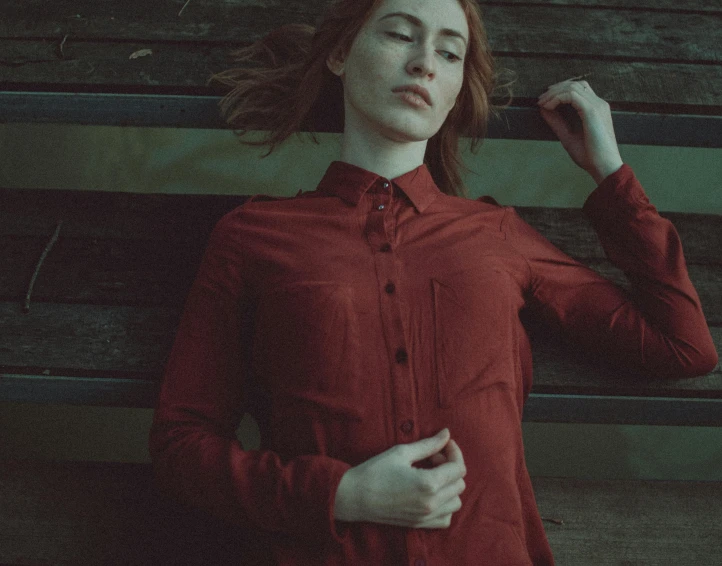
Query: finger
{"points": [[556, 122], [443, 475], [438, 459], [454, 454], [427, 447], [448, 492], [441, 518], [572, 96], [582, 88]]}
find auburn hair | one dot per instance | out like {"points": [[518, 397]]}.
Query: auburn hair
{"points": [[281, 85]]}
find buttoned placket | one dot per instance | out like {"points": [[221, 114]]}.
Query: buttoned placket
{"points": [[381, 236]]}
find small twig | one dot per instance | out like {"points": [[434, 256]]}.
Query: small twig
{"points": [[551, 520], [184, 7], [46, 251], [580, 77], [62, 53]]}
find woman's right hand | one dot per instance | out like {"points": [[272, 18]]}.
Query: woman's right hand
{"points": [[388, 489]]}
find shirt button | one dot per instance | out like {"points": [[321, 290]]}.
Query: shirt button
{"points": [[386, 247], [381, 207], [390, 288], [401, 355], [386, 185], [407, 427], [419, 562]]}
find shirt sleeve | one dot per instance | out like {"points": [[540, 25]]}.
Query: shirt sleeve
{"points": [[196, 456], [657, 327]]}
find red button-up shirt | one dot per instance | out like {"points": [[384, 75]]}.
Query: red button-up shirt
{"points": [[374, 312]]}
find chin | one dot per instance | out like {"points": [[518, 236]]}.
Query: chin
{"points": [[410, 133]]}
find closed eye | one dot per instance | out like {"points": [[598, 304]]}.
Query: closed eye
{"points": [[448, 55]]}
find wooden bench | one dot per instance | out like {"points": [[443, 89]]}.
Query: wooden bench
{"points": [[105, 304]]}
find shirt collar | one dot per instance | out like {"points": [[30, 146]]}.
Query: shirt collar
{"points": [[350, 182]]}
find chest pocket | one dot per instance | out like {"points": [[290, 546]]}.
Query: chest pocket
{"points": [[306, 346], [473, 333]]}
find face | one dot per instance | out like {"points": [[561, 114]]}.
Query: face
{"points": [[425, 46]]}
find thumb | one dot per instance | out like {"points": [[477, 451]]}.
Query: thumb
{"points": [[427, 447]]}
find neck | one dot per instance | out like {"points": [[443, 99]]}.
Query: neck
{"points": [[380, 154]]}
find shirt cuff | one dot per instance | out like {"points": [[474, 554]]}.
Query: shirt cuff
{"points": [[315, 498], [619, 193]]}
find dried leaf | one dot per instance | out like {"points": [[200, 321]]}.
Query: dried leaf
{"points": [[140, 53]]}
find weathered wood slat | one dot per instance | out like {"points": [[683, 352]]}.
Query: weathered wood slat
{"points": [[110, 272], [610, 523], [149, 273], [666, 5], [186, 68], [106, 514], [128, 342], [186, 219], [87, 338], [109, 513], [117, 215], [626, 34]]}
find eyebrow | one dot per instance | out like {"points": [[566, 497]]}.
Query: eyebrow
{"points": [[417, 22]]}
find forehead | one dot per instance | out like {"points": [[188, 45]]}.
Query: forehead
{"points": [[434, 14]]}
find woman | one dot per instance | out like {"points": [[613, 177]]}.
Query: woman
{"points": [[379, 312]]}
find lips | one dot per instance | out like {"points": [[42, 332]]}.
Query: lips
{"points": [[416, 89]]}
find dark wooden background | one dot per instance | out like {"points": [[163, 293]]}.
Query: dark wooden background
{"points": [[661, 59]]}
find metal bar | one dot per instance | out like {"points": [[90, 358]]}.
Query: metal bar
{"points": [[184, 111], [552, 408], [92, 391], [611, 409]]}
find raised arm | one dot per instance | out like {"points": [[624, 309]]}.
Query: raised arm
{"points": [[659, 327]]}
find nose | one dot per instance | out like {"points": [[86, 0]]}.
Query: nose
{"points": [[423, 61]]}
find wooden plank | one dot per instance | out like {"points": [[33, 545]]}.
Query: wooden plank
{"points": [[113, 215], [665, 5], [110, 272], [186, 219], [151, 273], [625, 34], [561, 368], [613, 522], [186, 69], [86, 338], [127, 342], [619, 34], [109, 513], [568, 229]]}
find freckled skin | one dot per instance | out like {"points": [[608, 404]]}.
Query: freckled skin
{"points": [[377, 63]]}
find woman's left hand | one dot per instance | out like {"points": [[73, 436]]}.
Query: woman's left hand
{"points": [[594, 148]]}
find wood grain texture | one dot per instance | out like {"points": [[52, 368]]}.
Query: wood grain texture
{"points": [[67, 513], [132, 342], [106, 514], [522, 28], [91, 215], [109, 296], [665, 5], [612, 523], [187, 68]]}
